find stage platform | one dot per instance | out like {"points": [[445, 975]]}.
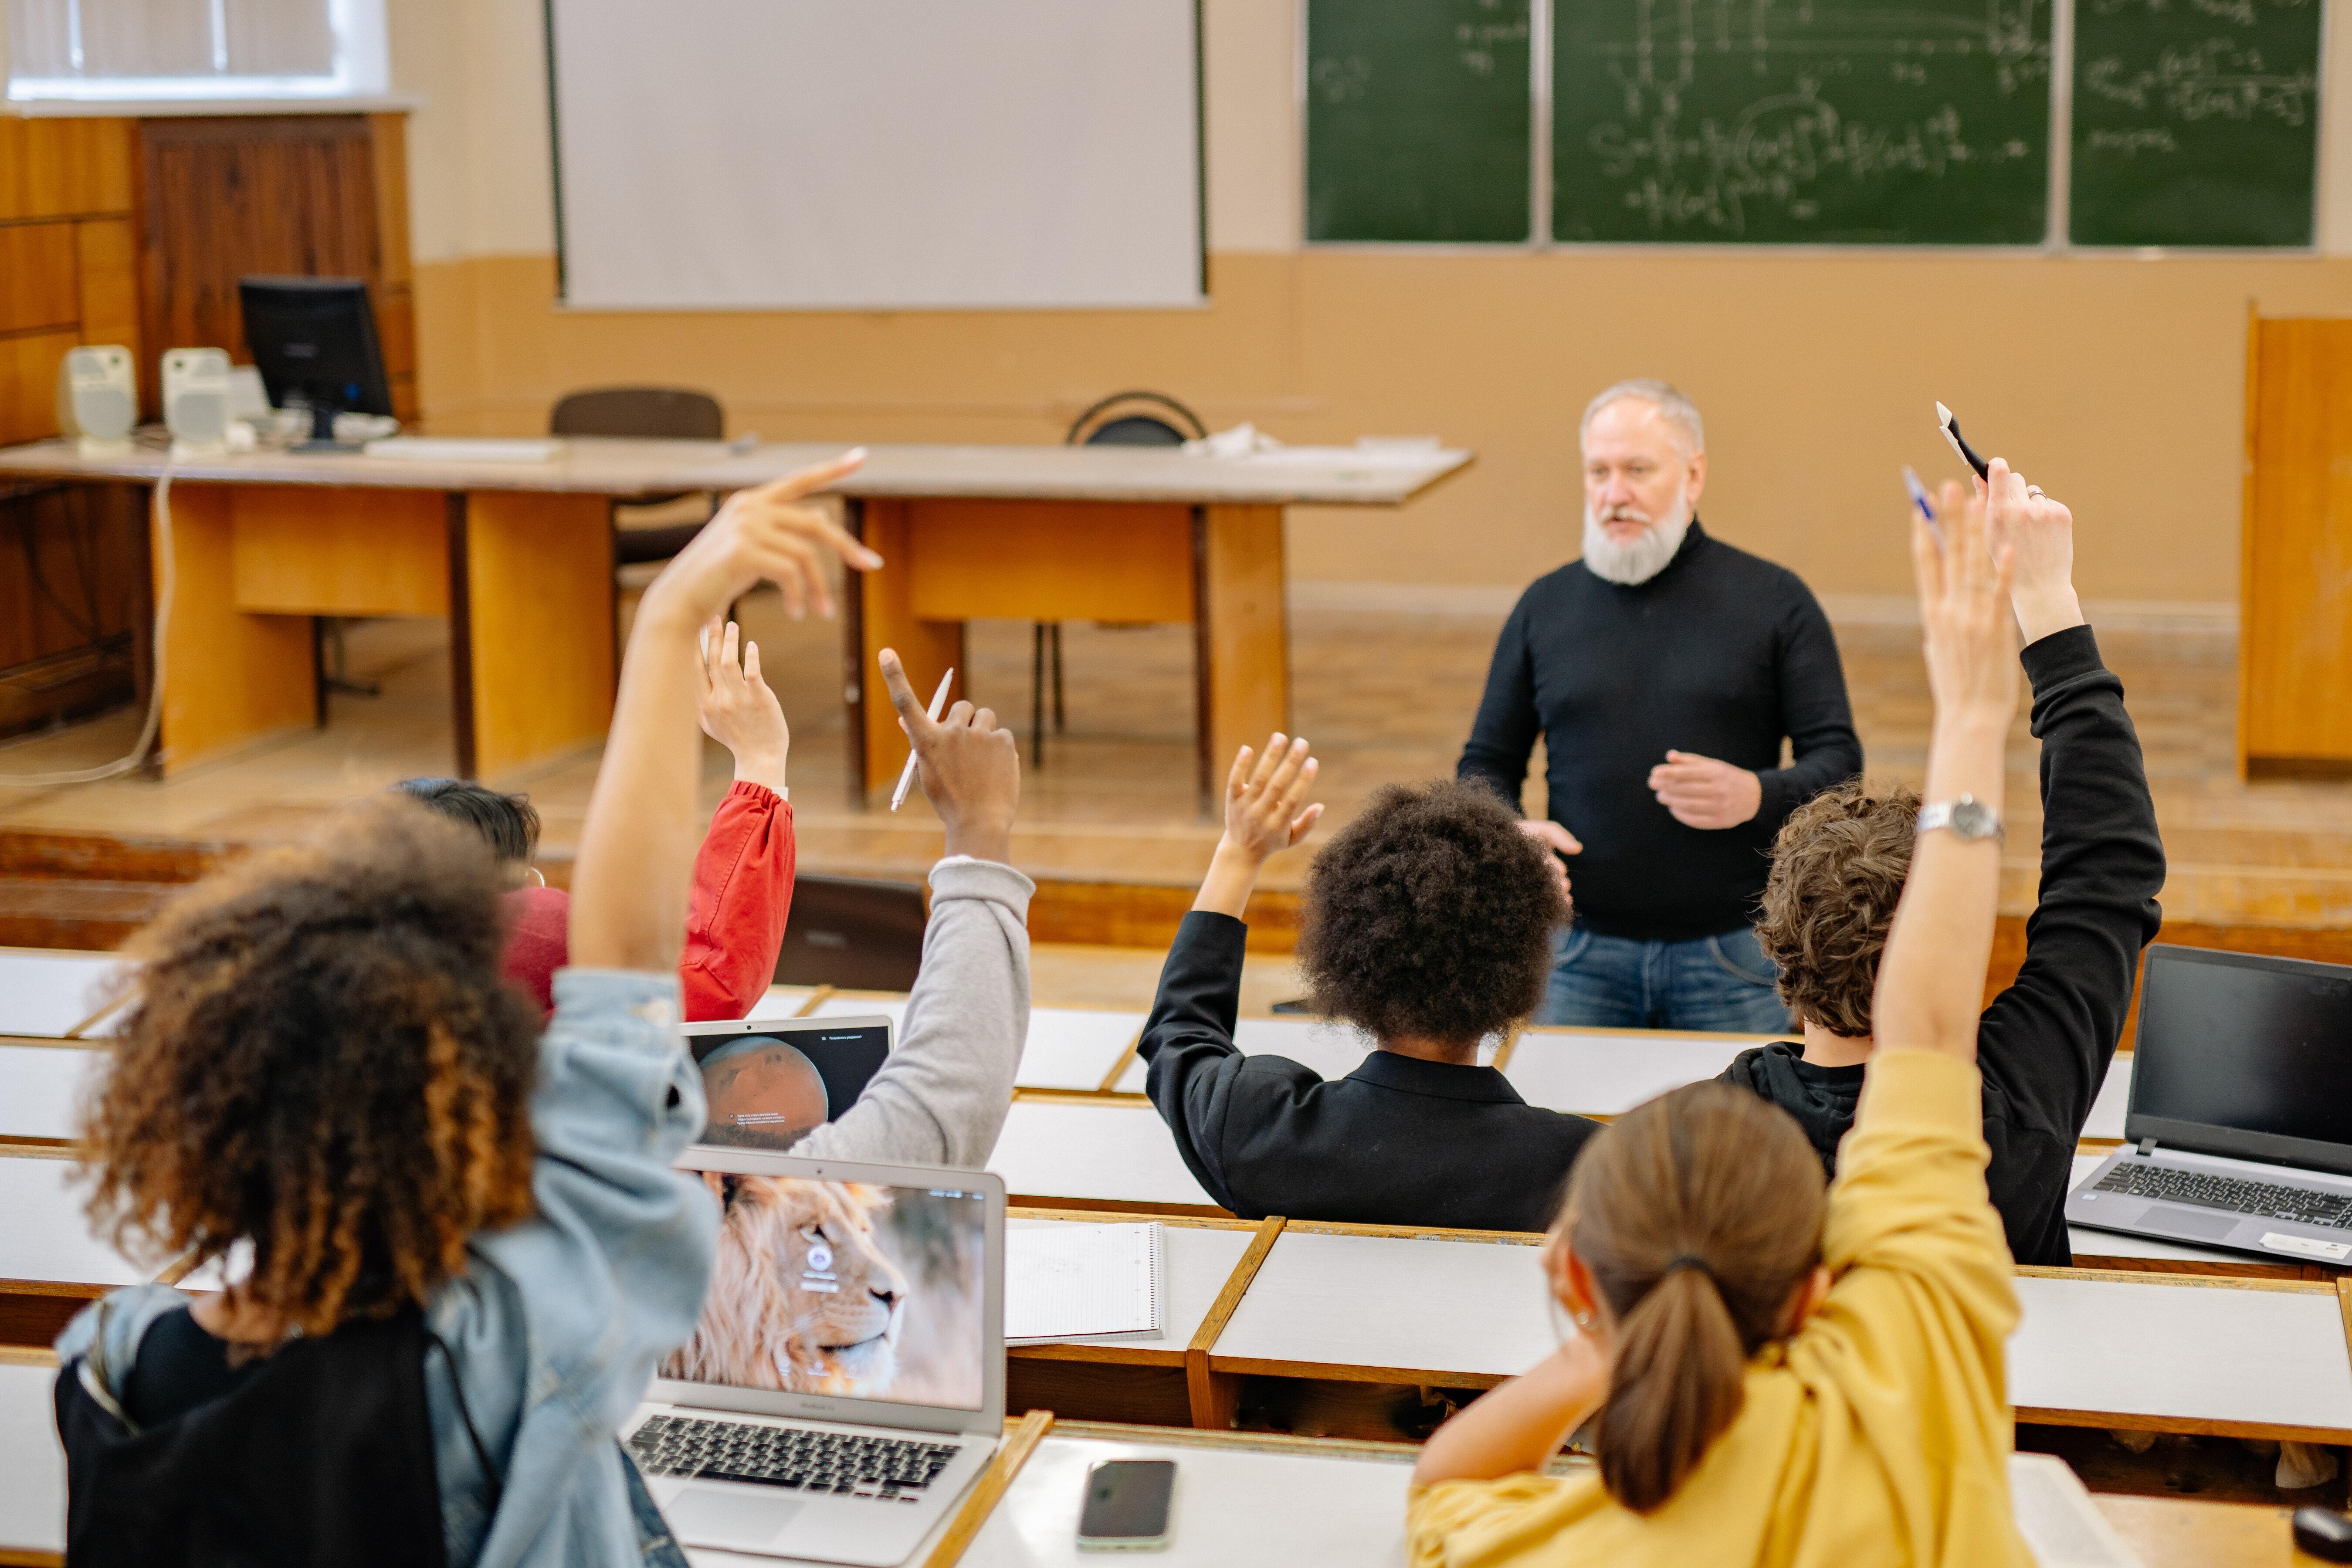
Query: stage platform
{"points": [[1109, 824]]}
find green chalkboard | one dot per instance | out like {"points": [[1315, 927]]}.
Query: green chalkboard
{"points": [[1825, 122], [1419, 120], [2196, 121]]}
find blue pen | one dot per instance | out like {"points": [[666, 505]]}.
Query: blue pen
{"points": [[1919, 498]]}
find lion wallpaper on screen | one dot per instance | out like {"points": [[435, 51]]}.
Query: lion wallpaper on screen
{"points": [[840, 1287]]}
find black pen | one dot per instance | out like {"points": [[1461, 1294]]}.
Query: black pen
{"points": [[1951, 429]]}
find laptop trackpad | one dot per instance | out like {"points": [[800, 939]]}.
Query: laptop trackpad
{"points": [[2202, 1226], [721, 1516]]}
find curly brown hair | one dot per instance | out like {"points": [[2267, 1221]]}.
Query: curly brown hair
{"points": [[1430, 917], [1838, 866], [321, 1058]]}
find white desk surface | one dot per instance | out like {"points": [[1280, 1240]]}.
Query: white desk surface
{"points": [[2186, 1352], [47, 992], [1333, 1049], [1608, 1075], [1231, 1506], [1416, 1303], [591, 467], [1117, 1152], [1068, 1047], [45, 1236], [2087, 1243], [1071, 1048], [782, 1002], [40, 1086], [32, 1464], [1195, 1262]]}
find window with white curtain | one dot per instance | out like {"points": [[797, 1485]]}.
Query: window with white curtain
{"points": [[123, 49]]}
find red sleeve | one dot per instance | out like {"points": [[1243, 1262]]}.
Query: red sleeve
{"points": [[538, 938], [742, 893]]}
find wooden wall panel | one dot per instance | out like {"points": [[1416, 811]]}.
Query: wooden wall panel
{"points": [[221, 198], [64, 168], [106, 253], [2295, 661], [28, 384], [42, 289]]}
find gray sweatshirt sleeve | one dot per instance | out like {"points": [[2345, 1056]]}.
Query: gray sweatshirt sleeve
{"points": [[941, 1098]]}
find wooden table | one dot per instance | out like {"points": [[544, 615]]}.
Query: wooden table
{"points": [[519, 558]]}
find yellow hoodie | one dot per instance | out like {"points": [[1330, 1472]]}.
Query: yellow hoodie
{"points": [[1879, 1434]]}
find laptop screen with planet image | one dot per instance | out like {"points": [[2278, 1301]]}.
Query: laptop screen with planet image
{"points": [[773, 1082]]}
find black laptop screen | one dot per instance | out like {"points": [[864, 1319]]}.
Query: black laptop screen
{"points": [[769, 1090], [2256, 1045]]}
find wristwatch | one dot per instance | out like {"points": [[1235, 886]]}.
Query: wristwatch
{"points": [[1967, 817]]}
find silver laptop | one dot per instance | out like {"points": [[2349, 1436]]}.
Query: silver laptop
{"points": [[2240, 1128], [773, 1081], [846, 1383]]}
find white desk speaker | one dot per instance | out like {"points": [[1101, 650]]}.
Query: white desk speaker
{"points": [[98, 399], [196, 401]]}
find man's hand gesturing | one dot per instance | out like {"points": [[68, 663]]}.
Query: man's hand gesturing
{"points": [[1704, 793], [971, 768]]}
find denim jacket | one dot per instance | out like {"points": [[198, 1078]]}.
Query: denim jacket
{"points": [[557, 1325]]}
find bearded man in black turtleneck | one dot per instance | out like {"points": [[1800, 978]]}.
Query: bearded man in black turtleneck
{"points": [[1664, 671]]}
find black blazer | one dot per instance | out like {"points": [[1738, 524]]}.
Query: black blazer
{"points": [[1400, 1141]]}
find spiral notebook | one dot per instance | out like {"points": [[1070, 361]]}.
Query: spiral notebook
{"points": [[1099, 1283]]}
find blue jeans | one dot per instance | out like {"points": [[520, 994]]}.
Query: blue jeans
{"points": [[1721, 982]]}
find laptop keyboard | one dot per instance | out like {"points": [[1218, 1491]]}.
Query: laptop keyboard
{"points": [[884, 1468], [2263, 1200]]}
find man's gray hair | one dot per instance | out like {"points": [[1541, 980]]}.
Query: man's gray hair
{"points": [[1671, 406]]}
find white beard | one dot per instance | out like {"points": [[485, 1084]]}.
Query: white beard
{"points": [[1644, 557]]}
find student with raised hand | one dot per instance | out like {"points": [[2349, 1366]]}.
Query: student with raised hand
{"points": [[942, 1097], [1428, 925], [467, 1249], [1780, 1378], [742, 893], [2045, 1043]]}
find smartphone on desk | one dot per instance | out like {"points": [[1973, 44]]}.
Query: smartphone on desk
{"points": [[1127, 1505]]}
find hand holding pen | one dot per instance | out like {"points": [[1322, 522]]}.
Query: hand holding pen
{"points": [[971, 768]]}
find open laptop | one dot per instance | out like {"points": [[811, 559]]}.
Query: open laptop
{"points": [[772, 1081], [846, 1383], [2239, 1134]]}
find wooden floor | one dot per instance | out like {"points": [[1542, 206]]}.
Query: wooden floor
{"points": [[1384, 698]]}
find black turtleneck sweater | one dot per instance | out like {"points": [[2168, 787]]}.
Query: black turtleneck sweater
{"points": [[1721, 654], [2044, 1044]]}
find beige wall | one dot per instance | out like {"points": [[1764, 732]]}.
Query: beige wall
{"points": [[2119, 382]]}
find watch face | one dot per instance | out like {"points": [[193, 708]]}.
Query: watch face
{"points": [[1971, 820]]}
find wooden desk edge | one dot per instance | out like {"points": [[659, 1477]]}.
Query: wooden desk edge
{"points": [[990, 1488]]}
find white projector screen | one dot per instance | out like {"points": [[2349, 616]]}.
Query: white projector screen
{"points": [[878, 155]]}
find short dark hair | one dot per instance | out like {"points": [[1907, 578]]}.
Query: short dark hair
{"points": [[507, 823], [1838, 868], [1430, 916]]}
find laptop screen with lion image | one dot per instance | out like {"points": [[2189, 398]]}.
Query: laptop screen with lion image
{"points": [[844, 1290]]}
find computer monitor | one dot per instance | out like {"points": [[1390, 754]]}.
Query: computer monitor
{"points": [[314, 341], [2244, 1056]]}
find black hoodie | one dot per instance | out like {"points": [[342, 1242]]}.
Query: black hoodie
{"points": [[2044, 1044]]}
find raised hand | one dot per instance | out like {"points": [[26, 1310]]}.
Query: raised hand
{"points": [[1964, 594], [1704, 793], [2041, 531], [971, 768], [739, 710], [765, 534], [1264, 814]]}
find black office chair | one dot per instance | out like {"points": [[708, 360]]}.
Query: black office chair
{"points": [[1122, 419], [650, 414]]}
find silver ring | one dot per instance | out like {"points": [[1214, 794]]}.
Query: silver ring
{"points": [[2034, 489]]}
